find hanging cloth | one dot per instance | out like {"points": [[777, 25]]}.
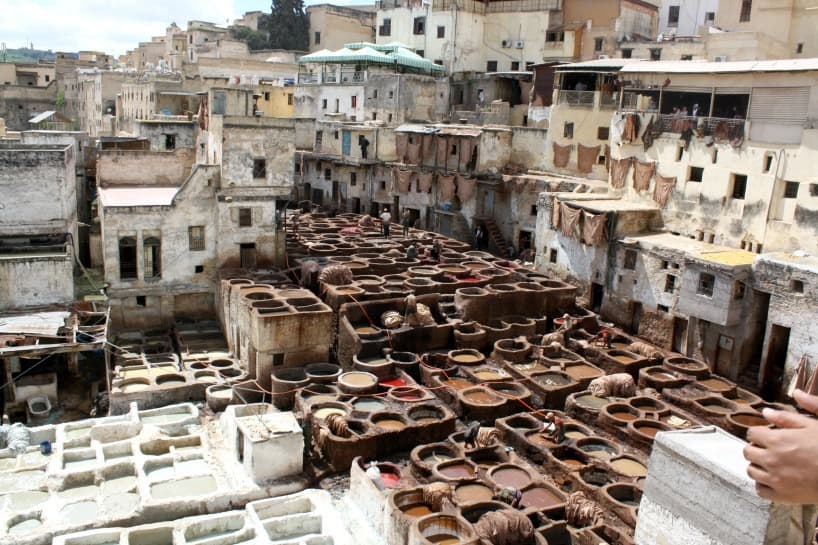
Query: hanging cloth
{"points": [[653, 131], [465, 188], [445, 186], [586, 157], [642, 173], [425, 181], [569, 220], [401, 144], [442, 151], [413, 149], [428, 149], [593, 228], [619, 171], [555, 213], [631, 131], [607, 158], [203, 114], [466, 147], [561, 155], [663, 189], [404, 178]]}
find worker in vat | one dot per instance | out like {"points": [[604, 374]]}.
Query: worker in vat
{"points": [[434, 253], [554, 427], [783, 460], [410, 304], [411, 252], [605, 336], [386, 221], [510, 496]]}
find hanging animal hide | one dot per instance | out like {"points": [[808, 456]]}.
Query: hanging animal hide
{"points": [[465, 188], [619, 171], [425, 181], [466, 147], [404, 178], [442, 151], [642, 174], [401, 144], [445, 186], [555, 213], [569, 220], [593, 228], [428, 149], [586, 157], [413, 149], [561, 155], [631, 131], [663, 189]]}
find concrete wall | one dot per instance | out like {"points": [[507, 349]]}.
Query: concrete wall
{"points": [[691, 16], [586, 124], [339, 25], [19, 103], [156, 131], [140, 168], [36, 281], [38, 184], [246, 139], [528, 147]]}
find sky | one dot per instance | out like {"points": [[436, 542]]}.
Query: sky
{"points": [[112, 26]]}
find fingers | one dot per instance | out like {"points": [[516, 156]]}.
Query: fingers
{"points": [[759, 475], [785, 419], [755, 455], [806, 401], [759, 435], [765, 492]]}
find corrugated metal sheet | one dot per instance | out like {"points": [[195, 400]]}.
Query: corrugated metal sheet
{"points": [[38, 323], [784, 105], [706, 67], [137, 196]]}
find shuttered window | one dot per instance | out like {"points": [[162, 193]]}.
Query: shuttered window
{"points": [[781, 105]]}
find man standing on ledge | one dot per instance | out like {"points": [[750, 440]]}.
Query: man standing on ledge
{"points": [[386, 219]]}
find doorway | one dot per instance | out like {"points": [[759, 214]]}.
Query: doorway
{"points": [[247, 255], [680, 335], [637, 318], [597, 294], [776, 361]]}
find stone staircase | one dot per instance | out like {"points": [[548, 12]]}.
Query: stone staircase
{"points": [[497, 242]]}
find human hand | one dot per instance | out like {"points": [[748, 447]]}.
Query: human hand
{"points": [[784, 460]]}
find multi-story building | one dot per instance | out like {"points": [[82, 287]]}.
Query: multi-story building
{"points": [[333, 26], [26, 90], [709, 167], [679, 18]]}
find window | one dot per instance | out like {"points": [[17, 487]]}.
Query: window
{"points": [[656, 54], [266, 96], [491, 66], [665, 264], [289, 99], [680, 152], [335, 134], [709, 17], [47, 77], [196, 238], [327, 173], [768, 161], [259, 168], [354, 101], [746, 8], [337, 105], [454, 149], [152, 248], [670, 283], [555, 36], [317, 38], [797, 286], [630, 260], [686, 57], [141, 301], [374, 93], [533, 211], [420, 52], [515, 65], [391, 94], [798, 49], [706, 282], [198, 269], [419, 26], [598, 43], [127, 258], [353, 179], [791, 190], [170, 142], [219, 100], [383, 185], [739, 186], [568, 130], [324, 104], [738, 290], [673, 16], [663, 308], [602, 133], [552, 255], [245, 217], [441, 31], [813, 190], [695, 174], [439, 62], [386, 28], [627, 53]]}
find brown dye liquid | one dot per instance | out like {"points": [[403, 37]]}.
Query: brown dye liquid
{"points": [[487, 375], [715, 384], [622, 358], [436, 457], [717, 408], [582, 371], [575, 434], [366, 330], [552, 380], [390, 424], [473, 492], [650, 431], [597, 450], [540, 439], [620, 345], [457, 471], [466, 358], [749, 420], [624, 415], [571, 462], [510, 476], [662, 375], [539, 497], [417, 510], [629, 467], [457, 383], [481, 398], [443, 539]]}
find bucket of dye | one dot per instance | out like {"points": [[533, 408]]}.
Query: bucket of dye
{"points": [[45, 447]]}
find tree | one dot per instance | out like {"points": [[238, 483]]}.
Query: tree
{"points": [[287, 25], [255, 40]]}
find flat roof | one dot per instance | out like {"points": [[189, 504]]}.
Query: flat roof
{"points": [[612, 204], [598, 64], [798, 260], [36, 323], [709, 67], [694, 249], [137, 196]]}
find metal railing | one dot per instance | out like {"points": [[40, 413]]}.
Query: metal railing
{"points": [[608, 100], [353, 76], [576, 98], [331, 77], [308, 78], [711, 125]]}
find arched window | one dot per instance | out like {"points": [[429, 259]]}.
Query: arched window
{"points": [[127, 258], [152, 248]]}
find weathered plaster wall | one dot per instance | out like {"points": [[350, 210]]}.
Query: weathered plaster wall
{"points": [[528, 147], [246, 139], [35, 281], [155, 131], [140, 168]]}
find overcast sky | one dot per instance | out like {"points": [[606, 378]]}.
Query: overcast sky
{"points": [[111, 26]]}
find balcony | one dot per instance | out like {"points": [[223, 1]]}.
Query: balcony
{"points": [[719, 127], [308, 79], [352, 76], [343, 77], [583, 99]]}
